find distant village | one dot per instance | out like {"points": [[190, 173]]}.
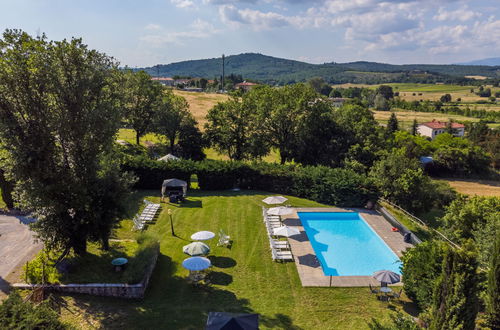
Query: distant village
{"points": [[188, 84]]}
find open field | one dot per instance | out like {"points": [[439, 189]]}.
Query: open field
{"points": [[475, 187], [200, 103], [405, 118], [244, 277]]}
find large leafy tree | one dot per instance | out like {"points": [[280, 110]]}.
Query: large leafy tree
{"points": [[170, 116], [59, 113], [143, 98], [455, 301], [493, 291], [232, 129], [280, 112], [392, 124]]}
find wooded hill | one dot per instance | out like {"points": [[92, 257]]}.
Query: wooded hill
{"points": [[275, 70]]}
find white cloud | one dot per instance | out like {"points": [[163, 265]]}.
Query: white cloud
{"points": [[152, 27], [199, 29], [183, 3], [462, 14]]}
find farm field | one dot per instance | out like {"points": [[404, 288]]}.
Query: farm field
{"points": [[200, 103], [405, 118], [475, 187], [244, 278]]}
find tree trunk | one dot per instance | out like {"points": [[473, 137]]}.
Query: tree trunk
{"points": [[105, 241], [282, 157], [137, 138], [172, 144], [79, 245], [6, 187]]}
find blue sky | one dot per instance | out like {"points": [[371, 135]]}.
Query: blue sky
{"points": [[148, 32]]}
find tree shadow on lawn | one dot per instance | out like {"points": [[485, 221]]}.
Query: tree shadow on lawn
{"points": [[170, 303]]}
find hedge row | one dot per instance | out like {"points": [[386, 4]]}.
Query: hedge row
{"points": [[334, 186]]}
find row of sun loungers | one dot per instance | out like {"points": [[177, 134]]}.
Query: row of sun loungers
{"points": [[147, 215], [280, 250]]}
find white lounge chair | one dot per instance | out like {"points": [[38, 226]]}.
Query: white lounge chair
{"points": [[224, 240]]}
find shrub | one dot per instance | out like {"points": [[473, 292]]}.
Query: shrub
{"points": [[16, 314], [421, 267], [151, 173], [41, 266]]}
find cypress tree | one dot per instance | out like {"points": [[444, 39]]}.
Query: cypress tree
{"points": [[493, 291], [414, 127], [392, 124], [455, 300]]}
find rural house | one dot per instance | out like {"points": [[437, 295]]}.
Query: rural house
{"points": [[433, 128]]}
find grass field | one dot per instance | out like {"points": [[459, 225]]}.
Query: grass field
{"points": [[200, 103], [475, 187], [244, 277], [405, 118]]}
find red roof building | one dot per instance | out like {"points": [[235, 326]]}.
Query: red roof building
{"points": [[433, 128]]}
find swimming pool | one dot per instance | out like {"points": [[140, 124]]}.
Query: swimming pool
{"points": [[346, 245]]}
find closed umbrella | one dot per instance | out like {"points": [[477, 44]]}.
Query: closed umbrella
{"points": [[202, 235], [280, 210], [274, 199], [386, 276], [286, 231], [196, 263], [196, 249]]}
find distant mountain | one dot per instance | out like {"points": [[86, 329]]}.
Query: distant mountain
{"points": [[270, 69], [493, 61]]}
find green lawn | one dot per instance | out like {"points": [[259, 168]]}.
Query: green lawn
{"points": [[245, 279]]}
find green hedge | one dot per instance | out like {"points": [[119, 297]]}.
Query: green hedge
{"points": [[335, 186], [151, 173]]}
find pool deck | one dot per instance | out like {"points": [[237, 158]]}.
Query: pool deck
{"points": [[309, 269]]}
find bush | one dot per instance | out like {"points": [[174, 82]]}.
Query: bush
{"points": [[151, 173], [42, 265], [16, 314], [342, 187], [421, 268]]}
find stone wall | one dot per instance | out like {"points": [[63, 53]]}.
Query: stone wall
{"points": [[395, 223], [131, 291]]}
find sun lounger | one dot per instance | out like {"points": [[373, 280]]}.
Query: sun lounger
{"points": [[281, 255], [280, 245], [224, 240]]}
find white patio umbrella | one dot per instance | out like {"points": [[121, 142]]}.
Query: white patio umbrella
{"points": [[286, 231], [274, 199], [168, 157], [196, 263], [280, 210], [202, 236], [386, 276], [196, 249]]}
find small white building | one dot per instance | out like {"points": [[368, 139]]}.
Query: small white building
{"points": [[337, 102], [433, 128]]}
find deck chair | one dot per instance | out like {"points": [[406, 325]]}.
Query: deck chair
{"points": [[224, 240]]}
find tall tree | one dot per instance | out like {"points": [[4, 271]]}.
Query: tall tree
{"points": [[280, 112], [392, 124], [169, 116], [455, 301], [386, 91], [381, 103], [191, 140], [493, 288], [142, 99], [59, 114], [232, 129], [414, 127]]}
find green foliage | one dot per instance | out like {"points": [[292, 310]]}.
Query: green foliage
{"points": [[402, 180], [16, 314], [399, 321], [59, 114], [445, 98], [414, 128], [392, 124], [455, 301], [421, 267], [233, 130], [386, 91], [381, 103], [493, 291], [191, 141], [142, 99], [42, 269], [465, 215], [149, 246]]}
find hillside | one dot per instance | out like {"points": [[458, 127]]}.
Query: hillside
{"points": [[270, 69], [493, 61]]}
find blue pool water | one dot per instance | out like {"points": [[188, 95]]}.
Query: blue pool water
{"points": [[346, 245]]}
